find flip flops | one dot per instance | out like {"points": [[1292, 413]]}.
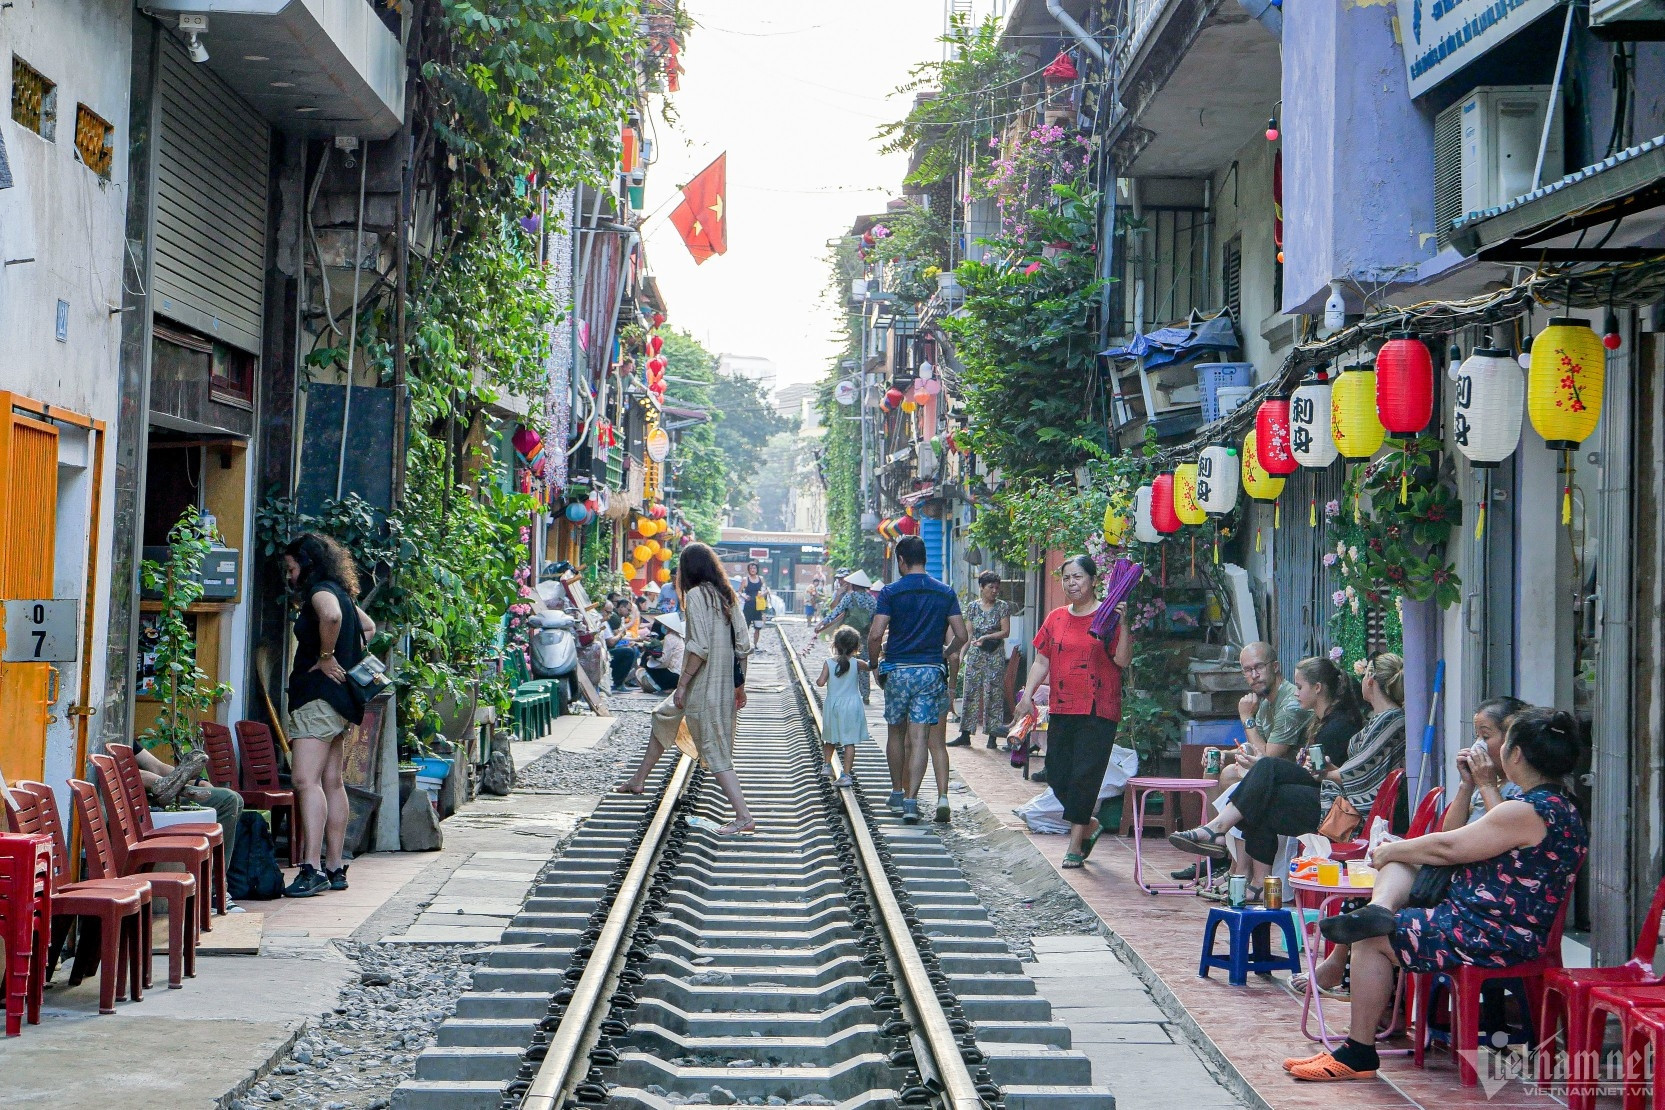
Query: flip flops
{"points": [[1200, 841], [1090, 842], [1072, 861]]}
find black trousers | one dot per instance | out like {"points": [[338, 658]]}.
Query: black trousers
{"points": [[1077, 753], [623, 658], [1277, 798]]}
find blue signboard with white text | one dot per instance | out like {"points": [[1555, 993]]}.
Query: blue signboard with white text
{"points": [[1440, 37]]}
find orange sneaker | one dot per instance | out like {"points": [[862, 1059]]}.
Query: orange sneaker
{"points": [[1290, 1063], [1327, 1069]]}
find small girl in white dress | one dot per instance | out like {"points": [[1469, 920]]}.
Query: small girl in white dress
{"points": [[843, 717]]}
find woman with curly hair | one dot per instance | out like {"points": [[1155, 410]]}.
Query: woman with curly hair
{"points": [[331, 634]]}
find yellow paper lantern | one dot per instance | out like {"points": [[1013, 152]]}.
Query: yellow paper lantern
{"points": [[1354, 423], [653, 549], [628, 570], [662, 575], [641, 554], [1115, 525], [1256, 482], [909, 406], [1565, 383], [1185, 495]]}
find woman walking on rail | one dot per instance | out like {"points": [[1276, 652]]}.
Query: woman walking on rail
{"points": [[1086, 700], [710, 689]]}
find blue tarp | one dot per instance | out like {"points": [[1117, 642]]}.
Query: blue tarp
{"points": [[1165, 345]]}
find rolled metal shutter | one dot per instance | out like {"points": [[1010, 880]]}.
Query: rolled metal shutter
{"points": [[211, 181]]}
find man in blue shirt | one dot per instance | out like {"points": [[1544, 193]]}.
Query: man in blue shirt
{"points": [[922, 617]]}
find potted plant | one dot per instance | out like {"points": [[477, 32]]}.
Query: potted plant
{"points": [[182, 690]]}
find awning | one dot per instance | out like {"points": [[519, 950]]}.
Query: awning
{"points": [[1563, 221], [1165, 345]]}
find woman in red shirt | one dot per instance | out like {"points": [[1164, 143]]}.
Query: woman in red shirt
{"points": [[1086, 700]]}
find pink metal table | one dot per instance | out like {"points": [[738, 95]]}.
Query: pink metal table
{"points": [[1328, 901], [1138, 789]]}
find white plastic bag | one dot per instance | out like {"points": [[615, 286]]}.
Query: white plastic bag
{"points": [[1380, 834], [1314, 845]]}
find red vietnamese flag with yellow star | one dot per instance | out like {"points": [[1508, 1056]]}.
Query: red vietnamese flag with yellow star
{"points": [[702, 217]]}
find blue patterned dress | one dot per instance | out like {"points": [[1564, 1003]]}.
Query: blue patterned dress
{"points": [[1499, 912]]}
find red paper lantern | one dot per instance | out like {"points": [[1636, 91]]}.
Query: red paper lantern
{"points": [[1404, 385], [1272, 448], [655, 344], [1162, 512], [658, 319], [893, 396], [907, 525]]}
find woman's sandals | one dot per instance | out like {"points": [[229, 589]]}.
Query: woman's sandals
{"points": [[1200, 841]]}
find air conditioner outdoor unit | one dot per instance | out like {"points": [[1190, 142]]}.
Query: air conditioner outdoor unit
{"points": [[1628, 20], [1485, 148]]}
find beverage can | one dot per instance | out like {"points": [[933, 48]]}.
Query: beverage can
{"points": [[1272, 892], [1211, 761], [1237, 889]]}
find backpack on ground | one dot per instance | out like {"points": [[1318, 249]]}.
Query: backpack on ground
{"points": [[253, 871]]}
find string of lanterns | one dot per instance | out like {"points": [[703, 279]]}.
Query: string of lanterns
{"points": [[1352, 416]]}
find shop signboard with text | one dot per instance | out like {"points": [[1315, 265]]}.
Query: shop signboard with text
{"points": [[1440, 37]]}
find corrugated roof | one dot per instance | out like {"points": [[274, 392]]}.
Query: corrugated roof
{"points": [[1585, 174]]}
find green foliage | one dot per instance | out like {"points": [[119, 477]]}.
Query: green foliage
{"points": [[914, 249], [745, 421], [1397, 545], [184, 692], [1026, 341], [524, 87], [968, 97], [840, 448]]}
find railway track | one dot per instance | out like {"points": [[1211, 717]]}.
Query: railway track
{"points": [[837, 958]]}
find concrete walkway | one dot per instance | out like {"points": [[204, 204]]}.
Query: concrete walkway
{"points": [[195, 1047]]}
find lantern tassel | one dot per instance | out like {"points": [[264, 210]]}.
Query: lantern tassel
{"points": [[1566, 490], [1257, 541], [1312, 514], [1216, 547], [1277, 515], [1480, 523]]}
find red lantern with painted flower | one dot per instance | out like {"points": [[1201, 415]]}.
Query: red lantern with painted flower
{"points": [[1272, 437]]}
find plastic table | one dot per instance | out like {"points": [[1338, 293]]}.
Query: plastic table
{"points": [[1327, 900], [1138, 789]]}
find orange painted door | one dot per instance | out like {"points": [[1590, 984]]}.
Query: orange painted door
{"points": [[28, 530]]}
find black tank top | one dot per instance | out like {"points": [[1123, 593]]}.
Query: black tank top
{"points": [[306, 684]]}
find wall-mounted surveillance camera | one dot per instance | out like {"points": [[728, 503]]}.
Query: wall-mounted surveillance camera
{"points": [[193, 27]]}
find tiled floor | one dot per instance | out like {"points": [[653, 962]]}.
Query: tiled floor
{"points": [[1253, 1027]]}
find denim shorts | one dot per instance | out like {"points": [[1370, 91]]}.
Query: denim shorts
{"points": [[914, 694]]}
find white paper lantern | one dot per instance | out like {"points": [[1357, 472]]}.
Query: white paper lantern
{"points": [[1491, 401], [1311, 439], [1144, 529], [1218, 479]]}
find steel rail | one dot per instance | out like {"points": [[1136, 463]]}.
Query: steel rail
{"points": [[565, 1063], [959, 1088]]}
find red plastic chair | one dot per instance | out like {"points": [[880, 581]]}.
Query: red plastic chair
{"points": [[1387, 800], [132, 783], [34, 808], [1566, 1004], [177, 889], [1466, 983], [1647, 1030], [1428, 813], [261, 787], [222, 755], [132, 855], [25, 924]]}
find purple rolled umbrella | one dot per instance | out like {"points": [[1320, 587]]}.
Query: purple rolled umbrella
{"points": [[1119, 581]]}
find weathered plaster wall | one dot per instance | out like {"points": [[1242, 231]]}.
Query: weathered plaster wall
{"points": [[1358, 165]]}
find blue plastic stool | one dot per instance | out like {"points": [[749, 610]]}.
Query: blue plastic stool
{"points": [[1251, 928]]}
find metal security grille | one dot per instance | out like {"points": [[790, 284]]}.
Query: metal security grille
{"points": [[1303, 584], [211, 180]]}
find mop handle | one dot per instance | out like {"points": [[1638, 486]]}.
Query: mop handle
{"points": [[1428, 730]]}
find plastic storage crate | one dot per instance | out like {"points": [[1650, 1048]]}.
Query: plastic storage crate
{"points": [[1211, 376]]}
